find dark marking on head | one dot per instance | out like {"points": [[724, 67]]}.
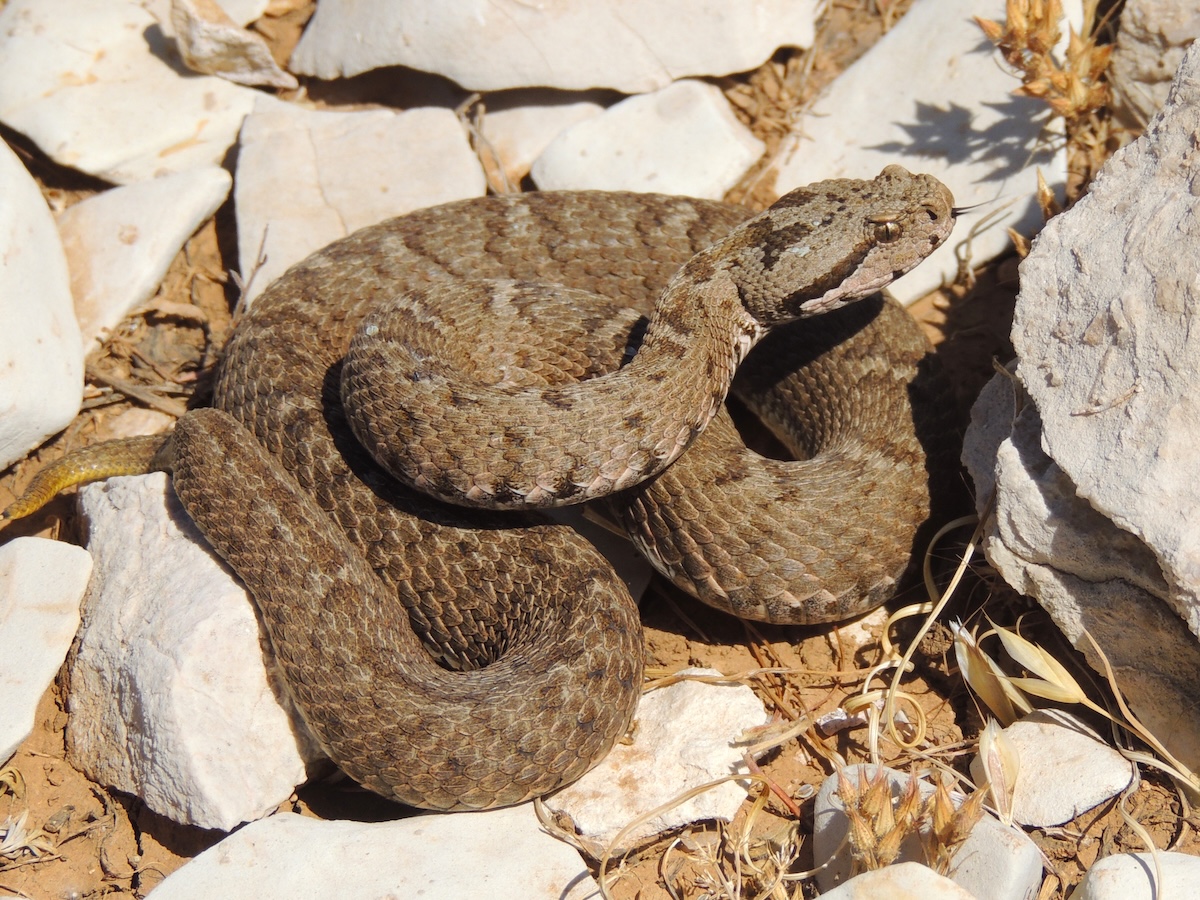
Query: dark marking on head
{"points": [[798, 197]]}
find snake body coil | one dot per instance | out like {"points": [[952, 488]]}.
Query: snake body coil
{"points": [[442, 655]]}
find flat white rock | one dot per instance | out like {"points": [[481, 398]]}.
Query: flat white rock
{"points": [[517, 134], [96, 84], [1132, 876], [933, 96], [170, 698], [683, 139], [42, 583], [902, 881], [1065, 769], [120, 243], [1086, 572], [40, 350], [684, 735], [307, 178], [132, 422], [631, 46], [995, 862], [501, 855]]}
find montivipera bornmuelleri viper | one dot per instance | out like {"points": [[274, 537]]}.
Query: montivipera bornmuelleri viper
{"points": [[537, 644]]}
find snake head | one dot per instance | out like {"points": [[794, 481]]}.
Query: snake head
{"points": [[822, 246]]}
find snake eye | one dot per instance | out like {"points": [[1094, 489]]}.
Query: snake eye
{"points": [[887, 230]]}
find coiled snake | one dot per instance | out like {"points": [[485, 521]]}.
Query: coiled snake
{"points": [[450, 659]]}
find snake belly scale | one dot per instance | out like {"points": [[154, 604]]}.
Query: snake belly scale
{"points": [[459, 658]]}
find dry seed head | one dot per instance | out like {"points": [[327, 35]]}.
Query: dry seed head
{"points": [[941, 812], [888, 847], [1046, 200], [986, 679], [966, 818], [997, 769], [1027, 40], [1054, 682]]}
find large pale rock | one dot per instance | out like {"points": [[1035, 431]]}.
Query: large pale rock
{"points": [[1151, 40], [683, 139], [120, 243], [903, 881], [307, 178], [684, 735], [933, 96], [1065, 769], [501, 855], [629, 45], [1099, 483], [41, 585], [99, 87], [1133, 876], [1105, 346], [995, 862], [170, 698], [1085, 571], [517, 133], [40, 349]]}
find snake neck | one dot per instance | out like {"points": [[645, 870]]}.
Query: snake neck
{"points": [[698, 336]]}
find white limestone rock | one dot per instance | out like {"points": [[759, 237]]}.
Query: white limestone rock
{"points": [[120, 243], [131, 422], [517, 132], [170, 698], [1132, 876], [1104, 344], [1087, 573], [903, 881], [211, 43], [932, 96], [631, 46], [42, 583], [40, 349], [1151, 41], [1065, 769], [501, 855], [683, 139], [97, 85], [307, 178], [243, 12], [684, 735], [1097, 484], [995, 862]]}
